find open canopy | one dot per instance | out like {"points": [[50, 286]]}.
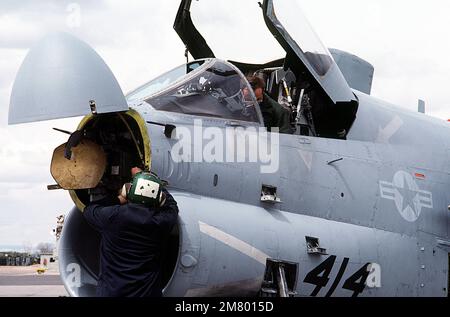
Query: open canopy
{"points": [[286, 23]]}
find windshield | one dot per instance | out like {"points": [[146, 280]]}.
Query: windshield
{"points": [[163, 81], [218, 89]]}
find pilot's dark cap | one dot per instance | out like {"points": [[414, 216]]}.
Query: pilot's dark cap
{"points": [[256, 82]]}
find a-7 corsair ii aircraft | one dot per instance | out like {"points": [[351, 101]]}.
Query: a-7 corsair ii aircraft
{"points": [[353, 203]]}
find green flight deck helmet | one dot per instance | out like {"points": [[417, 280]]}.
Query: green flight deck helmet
{"points": [[146, 189]]}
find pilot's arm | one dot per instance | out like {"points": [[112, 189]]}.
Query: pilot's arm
{"points": [[167, 215], [101, 212]]}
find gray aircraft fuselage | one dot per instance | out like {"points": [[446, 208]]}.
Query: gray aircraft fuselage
{"points": [[344, 204], [394, 162]]}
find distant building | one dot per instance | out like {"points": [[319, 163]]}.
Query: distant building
{"points": [[46, 259], [16, 259]]}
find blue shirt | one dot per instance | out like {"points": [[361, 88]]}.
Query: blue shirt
{"points": [[132, 240]]}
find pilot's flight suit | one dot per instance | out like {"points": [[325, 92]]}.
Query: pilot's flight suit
{"points": [[133, 238], [275, 115]]}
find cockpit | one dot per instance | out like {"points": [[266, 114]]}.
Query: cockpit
{"points": [[306, 82], [205, 88]]}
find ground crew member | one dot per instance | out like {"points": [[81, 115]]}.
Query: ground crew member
{"points": [[134, 228]]}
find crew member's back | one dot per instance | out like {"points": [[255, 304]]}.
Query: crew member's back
{"points": [[133, 237]]}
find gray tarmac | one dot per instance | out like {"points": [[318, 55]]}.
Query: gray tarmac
{"points": [[17, 281]]}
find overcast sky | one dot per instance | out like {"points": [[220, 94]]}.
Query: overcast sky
{"points": [[406, 40]]}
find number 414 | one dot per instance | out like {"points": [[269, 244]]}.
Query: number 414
{"points": [[369, 275]]}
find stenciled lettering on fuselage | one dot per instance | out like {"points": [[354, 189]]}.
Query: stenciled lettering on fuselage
{"points": [[408, 197]]}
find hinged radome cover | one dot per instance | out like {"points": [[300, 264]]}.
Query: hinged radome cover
{"points": [[58, 78]]}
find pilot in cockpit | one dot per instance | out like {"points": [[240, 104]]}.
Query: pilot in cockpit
{"points": [[274, 114]]}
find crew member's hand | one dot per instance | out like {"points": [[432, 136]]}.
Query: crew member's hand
{"points": [[135, 170], [122, 193], [122, 199]]}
